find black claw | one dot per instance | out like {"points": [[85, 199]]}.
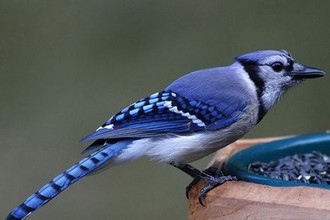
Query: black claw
{"points": [[201, 199], [212, 182], [191, 185], [213, 176]]}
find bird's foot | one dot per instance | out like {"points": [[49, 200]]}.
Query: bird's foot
{"points": [[214, 177]]}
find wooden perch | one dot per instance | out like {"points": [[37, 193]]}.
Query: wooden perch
{"points": [[243, 200]]}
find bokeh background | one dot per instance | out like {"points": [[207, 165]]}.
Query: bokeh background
{"points": [[67, 66]]}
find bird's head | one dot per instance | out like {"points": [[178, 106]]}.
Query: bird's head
{"points": [[273, 72]]}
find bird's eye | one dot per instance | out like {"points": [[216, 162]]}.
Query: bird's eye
{"points": [[277, 66]]}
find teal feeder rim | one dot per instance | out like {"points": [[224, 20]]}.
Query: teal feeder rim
{"points": [[237, 165]]}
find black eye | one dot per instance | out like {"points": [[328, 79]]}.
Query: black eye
{"points": [[277, 66]]}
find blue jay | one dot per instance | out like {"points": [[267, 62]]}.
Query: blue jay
{"points": [[193, 117]]}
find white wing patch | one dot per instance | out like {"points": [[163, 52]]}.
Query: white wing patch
{"points": [[167, 104], [175, 109], [110, 127]]}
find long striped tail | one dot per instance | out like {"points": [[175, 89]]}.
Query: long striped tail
{"points": [[67, 178]]}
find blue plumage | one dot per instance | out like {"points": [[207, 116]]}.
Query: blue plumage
{"points": [[194, 116], [152, 117], [67, 178]]}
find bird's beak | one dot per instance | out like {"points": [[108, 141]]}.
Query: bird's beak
{"points": [[306, 73]]}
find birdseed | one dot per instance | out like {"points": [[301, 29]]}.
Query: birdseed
{"points": [[311, 167]]}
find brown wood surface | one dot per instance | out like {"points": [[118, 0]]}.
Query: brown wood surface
{"points": [[243, 200]]}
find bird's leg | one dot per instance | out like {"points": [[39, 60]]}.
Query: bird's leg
{"points": [[191, 171], [212, 175]]}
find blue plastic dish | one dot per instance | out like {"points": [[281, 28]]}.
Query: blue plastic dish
{"points": [[237, 165]]}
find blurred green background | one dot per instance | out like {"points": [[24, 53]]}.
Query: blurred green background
{"points": [[67, 66]]}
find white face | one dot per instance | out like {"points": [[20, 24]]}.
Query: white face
{"points": [[274, 70]]}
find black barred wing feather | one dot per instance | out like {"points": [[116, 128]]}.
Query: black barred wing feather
{"points": [[159, 114]]}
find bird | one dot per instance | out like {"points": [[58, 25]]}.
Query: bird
{"points": [[196, 115]]}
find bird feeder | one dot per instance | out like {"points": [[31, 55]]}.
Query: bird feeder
{"points": [[255, 196]]}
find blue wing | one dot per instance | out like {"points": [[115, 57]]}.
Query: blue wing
{"points": [[163, 113]]}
